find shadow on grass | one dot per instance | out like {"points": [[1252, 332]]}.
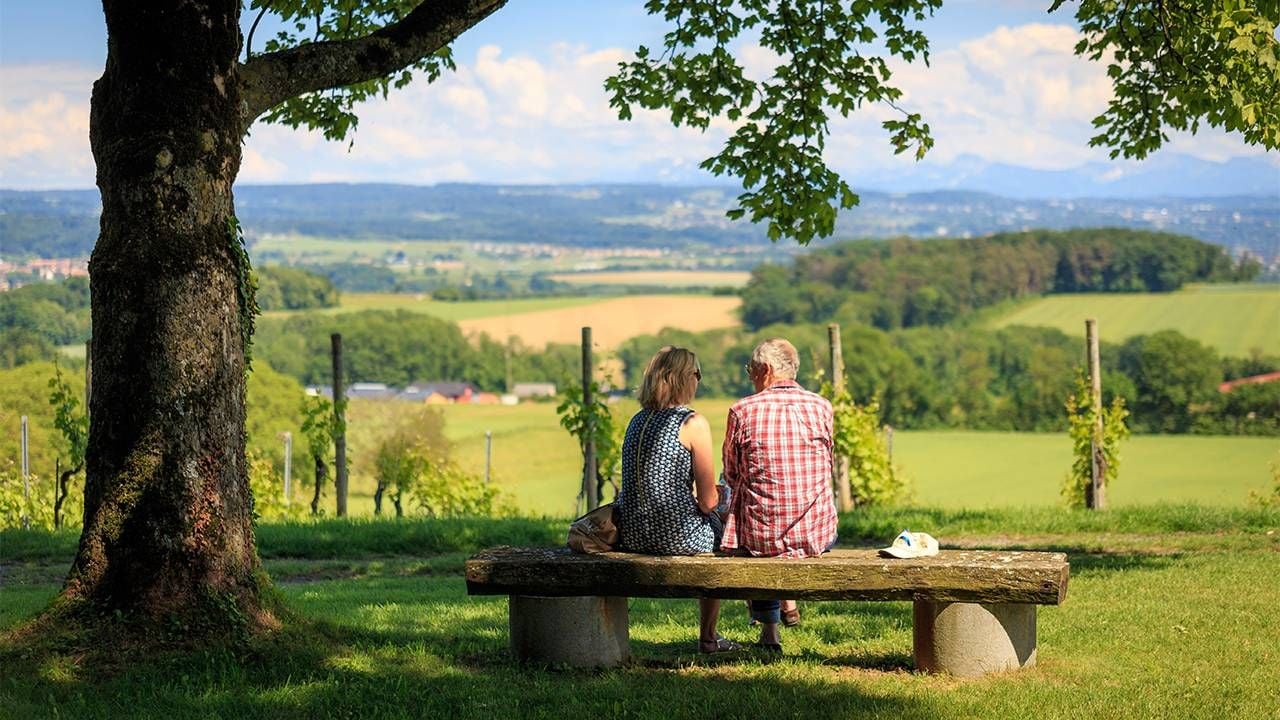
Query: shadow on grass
{"points": [[414, 645], [319, 670]]}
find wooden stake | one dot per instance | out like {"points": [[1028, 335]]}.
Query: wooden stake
{"points": [[1096, 496], [589, 490], [88, 374], [340, 440], [839, 464], [488, 454]]}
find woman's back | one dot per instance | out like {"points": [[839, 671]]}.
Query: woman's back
{"points": [[657, 510]]}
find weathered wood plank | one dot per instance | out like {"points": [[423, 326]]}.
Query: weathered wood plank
{"points": [[952, 575]]}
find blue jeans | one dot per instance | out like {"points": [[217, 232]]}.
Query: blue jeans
{"points": [[770, 611]]}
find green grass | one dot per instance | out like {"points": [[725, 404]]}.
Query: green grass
{"points": [[356, 538], [1234, 319], [1164, 624], [538, 464]]}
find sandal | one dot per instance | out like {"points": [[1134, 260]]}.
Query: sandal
{"points": [[791, 618], [720, 645]]}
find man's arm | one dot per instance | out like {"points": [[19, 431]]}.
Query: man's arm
{"points": [[729, 452]]}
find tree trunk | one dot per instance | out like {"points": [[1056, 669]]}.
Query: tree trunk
{"points": [[168, 525]]}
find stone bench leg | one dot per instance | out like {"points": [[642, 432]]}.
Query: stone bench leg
{"points": [[972, 639], [584, 632]]}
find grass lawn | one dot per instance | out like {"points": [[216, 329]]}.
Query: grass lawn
{"points": [[1156, 624], [538, 463], [1235, 319]]}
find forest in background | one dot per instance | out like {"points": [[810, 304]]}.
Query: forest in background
{"points": [[909, 312]]}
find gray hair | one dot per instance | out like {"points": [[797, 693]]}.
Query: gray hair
{"points": [[779, 355]]}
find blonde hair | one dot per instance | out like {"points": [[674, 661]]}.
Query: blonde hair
{"points": [[778, 354], [670, 378]]}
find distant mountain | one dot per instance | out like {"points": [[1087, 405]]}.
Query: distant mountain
{"points": [[65, 223], [1161, 175]]}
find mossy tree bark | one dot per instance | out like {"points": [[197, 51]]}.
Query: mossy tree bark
{"points": [[168, 516], [168, 526]]}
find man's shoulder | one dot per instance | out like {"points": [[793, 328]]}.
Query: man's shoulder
{"points": [[784, 396], [815, 398]]}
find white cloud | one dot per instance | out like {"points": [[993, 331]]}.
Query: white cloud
{"points": [[44, 124], [1016, 95]]}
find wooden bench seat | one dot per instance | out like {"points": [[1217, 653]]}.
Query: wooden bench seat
{"points": [[974, 610]]}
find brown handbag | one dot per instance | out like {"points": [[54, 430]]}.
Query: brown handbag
{"points": [[595, 532]]}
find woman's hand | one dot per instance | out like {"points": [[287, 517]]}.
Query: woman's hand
{"points": [[696, 435]]}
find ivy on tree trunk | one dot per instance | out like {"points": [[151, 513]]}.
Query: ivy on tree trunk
{"points": [[168, 515]]}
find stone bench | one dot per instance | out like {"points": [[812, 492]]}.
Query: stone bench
{"points": [[974, 610]]}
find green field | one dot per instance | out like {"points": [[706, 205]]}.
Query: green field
{"points": [[1235, 319], [1156, 624], [538, 463]]}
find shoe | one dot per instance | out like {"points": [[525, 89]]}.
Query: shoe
{"points": [[720, 645], [791, 618], [770, 648]]}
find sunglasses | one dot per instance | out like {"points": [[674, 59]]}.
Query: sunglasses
{"points": [[697, 374]]}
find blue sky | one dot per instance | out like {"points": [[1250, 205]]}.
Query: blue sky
{"points": [[1004, 91]]}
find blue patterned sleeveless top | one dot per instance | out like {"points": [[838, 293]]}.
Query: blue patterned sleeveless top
{"points": [[658, 514]]}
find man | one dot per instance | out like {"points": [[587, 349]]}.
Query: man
{"points": [[777, 461]]}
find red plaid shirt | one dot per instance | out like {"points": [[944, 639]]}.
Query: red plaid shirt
{"points": [[777, 460]]}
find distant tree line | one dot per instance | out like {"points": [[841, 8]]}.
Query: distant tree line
{"points": [[290, 288], [359, 277], [35, 319], [909, 283], [402, 347], [1015, 378]]}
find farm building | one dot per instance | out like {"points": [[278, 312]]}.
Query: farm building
{"points": [[364, 390], [1230, 385], [534, 390], [439, 393]]}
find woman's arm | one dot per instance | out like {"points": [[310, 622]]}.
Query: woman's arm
{"points": [[696, 435]]}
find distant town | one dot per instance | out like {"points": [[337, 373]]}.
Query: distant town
{"points": [[17, 274]]}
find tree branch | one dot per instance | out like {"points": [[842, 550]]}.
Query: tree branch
{"points": [[270, 79]]}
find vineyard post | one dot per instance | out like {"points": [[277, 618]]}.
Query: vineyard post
{"points": [[488, 454], [26, 477], [1096, 496], [340, 439], [840, 464], [588, 437], [288, 463], [88, 373]]}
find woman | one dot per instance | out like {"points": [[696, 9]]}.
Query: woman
{"points": [[668, 497]]}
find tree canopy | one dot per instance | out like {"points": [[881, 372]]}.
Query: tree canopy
{"points": [[1173, 66]]}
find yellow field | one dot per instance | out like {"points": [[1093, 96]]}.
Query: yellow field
{"points": [[612, 321], [667, 278]]}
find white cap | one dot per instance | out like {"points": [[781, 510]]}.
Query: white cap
{"points": [[911, 545]]}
